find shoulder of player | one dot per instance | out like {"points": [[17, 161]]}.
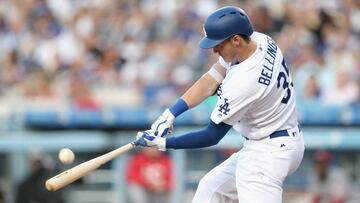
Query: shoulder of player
{"points": [[242, 84], [259, 36], [242, 74]]}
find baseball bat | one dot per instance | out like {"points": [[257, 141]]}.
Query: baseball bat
{"points": [[65, 178]]}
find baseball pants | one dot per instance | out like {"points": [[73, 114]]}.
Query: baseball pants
{"points": [[255, 174]]}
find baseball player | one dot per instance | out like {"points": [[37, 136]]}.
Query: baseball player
{"points": [[256, 98]]}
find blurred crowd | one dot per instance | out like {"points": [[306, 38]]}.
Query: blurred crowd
{"points": [[94, 54]]}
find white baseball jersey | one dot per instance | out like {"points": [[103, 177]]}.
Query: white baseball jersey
{"points": [[256, 97]]}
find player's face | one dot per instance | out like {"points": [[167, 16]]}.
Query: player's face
{"points": [[226, 50]]}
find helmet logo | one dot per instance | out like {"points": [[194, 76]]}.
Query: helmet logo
{"points": [[204, 30]]}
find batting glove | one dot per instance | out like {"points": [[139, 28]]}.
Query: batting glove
{"points": [[149, 139], [164, 124]]}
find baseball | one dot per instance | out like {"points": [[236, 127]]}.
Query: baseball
{"points": [[66, 156]]}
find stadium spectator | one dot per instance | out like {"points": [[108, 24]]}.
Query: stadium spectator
{"points": [[32, 189], [311, 92], [328, 184], [343, 93], [149, 177]]}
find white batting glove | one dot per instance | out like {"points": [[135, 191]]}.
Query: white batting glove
{"points": [[164, 124], [149, 139]]}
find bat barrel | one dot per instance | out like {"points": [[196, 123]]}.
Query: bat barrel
{"points": [[65, 178]]}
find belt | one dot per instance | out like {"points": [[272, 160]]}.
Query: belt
{"points": [[280, 133]]}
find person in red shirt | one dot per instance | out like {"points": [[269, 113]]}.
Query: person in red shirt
{"points": [[149, 176]]}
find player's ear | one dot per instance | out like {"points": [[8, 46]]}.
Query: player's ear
{"points": [[237, 40]]}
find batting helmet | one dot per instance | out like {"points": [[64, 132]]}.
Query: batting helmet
{"points": [[224, 23]]}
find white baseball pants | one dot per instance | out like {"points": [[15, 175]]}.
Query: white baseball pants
{"points": [[255, 174]]}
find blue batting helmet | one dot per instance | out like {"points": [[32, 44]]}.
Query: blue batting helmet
{"points": [[224, 23]]}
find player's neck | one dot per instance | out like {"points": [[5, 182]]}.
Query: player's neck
{"points": [[246, 51]]}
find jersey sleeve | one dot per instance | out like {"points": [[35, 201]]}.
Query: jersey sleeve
{"points": [[234, 100]]}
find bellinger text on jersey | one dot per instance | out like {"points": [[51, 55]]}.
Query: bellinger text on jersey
{"points": [[268, 67]]}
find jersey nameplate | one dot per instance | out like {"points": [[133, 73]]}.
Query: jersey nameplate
{"points": [[268, 67]]}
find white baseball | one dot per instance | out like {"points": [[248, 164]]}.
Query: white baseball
{"points": [[66, 156]]}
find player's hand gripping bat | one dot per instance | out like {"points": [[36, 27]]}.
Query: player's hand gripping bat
{"points": [[65, 178]]}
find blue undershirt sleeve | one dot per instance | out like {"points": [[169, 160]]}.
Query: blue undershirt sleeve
{"points": [[209, 136]]}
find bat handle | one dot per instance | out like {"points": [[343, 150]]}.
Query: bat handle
{"points": [[136, 142]]}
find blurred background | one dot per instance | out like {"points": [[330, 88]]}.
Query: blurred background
{"points": [[88, 74]]}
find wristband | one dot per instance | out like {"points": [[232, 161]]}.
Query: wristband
{"points": [[225, 64], [179, 107], [216, 75]]}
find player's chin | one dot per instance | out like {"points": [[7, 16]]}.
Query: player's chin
{"points": [[225, 57], [222, 56], [227, 60]]}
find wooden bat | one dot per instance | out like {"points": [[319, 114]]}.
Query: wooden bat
{"points": [[65, 178]]}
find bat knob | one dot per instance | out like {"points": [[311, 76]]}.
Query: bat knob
{"points": [[49, 186]]}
